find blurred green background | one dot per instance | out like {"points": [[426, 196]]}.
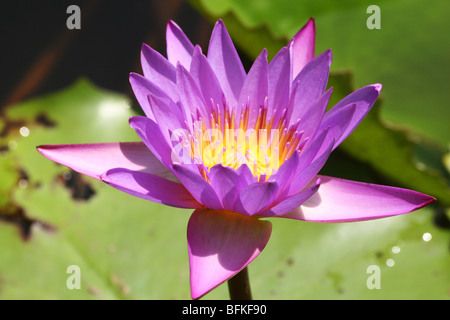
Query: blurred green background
{"points": [[71, 86]]}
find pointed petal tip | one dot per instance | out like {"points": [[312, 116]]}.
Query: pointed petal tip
{"points": [[131, 122], [104, 177], [46, 150], [340, 200], [171, 23], [329, 92], [198, 291], [43, 150], [310, 26], [427, 199], [134, 121], [132, 76], [219, 25], [144, 46], [329, 53], [308, 29], [378, 87]]}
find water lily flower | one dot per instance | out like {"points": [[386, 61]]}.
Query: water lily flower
{"points": [[237, 147]]}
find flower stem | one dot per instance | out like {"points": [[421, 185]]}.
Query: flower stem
{"points": [[239, 286]]}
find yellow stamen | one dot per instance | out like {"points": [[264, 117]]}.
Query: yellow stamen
{"points": [[263, 148]]}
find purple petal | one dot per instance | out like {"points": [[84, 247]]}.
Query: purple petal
{"points": [[190, 95], [97, 158], [245, 173], [158, 70], [220, 244], [150, 187], [287, 171], [179, 47], [304, 176], [227, 183], [314, 115], [256, 198], [142, 88], [313, 151], [200, 189], [292, 202], [302, 47], [340, 200], [311, 115], [255, 88], [279, 74], [150, 133], [338, 122], [205, 78], [167, 115], [225, 62], [298, 162], [363, 99], [310, 84]]}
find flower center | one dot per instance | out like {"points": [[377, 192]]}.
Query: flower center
{"points": [[258, 138]]}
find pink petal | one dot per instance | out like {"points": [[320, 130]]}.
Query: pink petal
{"points": [[97, 158], [302, 47], [179, 47], [340, 200], [225, 62], [221, 243], [150, 187]]}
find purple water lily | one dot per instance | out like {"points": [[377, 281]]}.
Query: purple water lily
{"points": [[237, 147]]}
